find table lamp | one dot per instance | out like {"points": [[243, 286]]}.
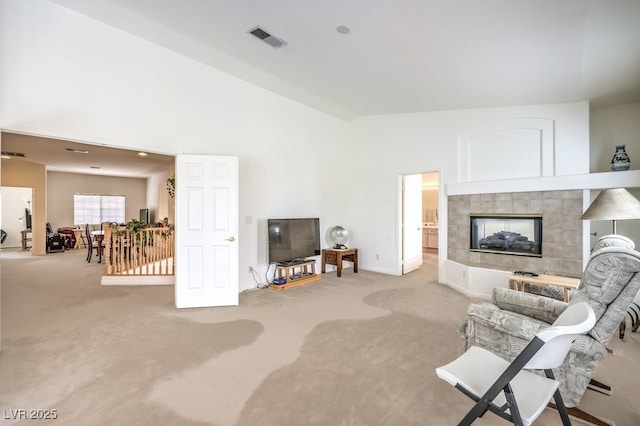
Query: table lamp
{"points": [[613, 204]]}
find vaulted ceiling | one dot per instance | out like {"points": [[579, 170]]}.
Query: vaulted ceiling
{"points": [[399, 56], [402, 56]]}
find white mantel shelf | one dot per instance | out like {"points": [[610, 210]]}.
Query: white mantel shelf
{"points": [[626, 179]]}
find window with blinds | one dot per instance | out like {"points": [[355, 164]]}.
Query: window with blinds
{"points": [[93, 209]]}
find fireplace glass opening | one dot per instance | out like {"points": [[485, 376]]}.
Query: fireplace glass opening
{"points": [[519, 235]]}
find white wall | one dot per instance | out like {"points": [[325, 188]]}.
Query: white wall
{"points": [[389, 146], [67, 76]]}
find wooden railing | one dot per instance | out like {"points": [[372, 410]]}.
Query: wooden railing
{"points": [[147, 252]]}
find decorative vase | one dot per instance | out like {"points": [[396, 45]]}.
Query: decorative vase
{"points": [[620, 160]]}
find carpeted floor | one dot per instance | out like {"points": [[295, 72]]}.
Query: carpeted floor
{"points": [[356, 350]]}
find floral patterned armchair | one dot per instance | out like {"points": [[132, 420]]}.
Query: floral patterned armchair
{"points": [[609, 284]]}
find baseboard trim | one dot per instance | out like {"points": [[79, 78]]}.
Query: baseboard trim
{"points": [[138, 280]]}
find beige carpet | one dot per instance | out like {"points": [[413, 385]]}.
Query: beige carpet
{"points": [[356, 350]]}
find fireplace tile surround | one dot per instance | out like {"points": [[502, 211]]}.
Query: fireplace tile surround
{"points": [[561, 230]]}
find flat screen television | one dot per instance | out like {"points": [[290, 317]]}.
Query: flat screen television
{"points": [[293, 240], [27, 216]]}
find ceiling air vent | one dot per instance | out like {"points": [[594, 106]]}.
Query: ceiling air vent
{"points": [[77, 151], [13, 154], [271, 40]]}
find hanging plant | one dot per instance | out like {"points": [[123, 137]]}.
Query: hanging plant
{"points": [[171, 186]]}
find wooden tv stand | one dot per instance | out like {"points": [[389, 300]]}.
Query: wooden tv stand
{"points": [[296, 274]]}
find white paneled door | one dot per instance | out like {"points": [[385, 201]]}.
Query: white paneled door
{"points": [[206, 231], [411, 223]]}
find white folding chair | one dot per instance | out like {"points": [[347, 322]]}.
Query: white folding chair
{"points": [[508, 389]]}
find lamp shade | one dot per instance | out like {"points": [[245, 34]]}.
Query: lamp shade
{"points": [[613, 204]]}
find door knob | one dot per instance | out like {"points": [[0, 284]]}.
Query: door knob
{"points": [[230, 239]]}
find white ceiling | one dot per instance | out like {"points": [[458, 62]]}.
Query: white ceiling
{"points": [[402, 56]]}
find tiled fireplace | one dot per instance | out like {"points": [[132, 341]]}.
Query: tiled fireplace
{"points": [[561, 230]]}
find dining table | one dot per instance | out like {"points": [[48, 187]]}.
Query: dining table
{"points": [[78, 233]]}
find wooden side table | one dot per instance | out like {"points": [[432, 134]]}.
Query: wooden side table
{"points": [[546, 280], [336, 256]]}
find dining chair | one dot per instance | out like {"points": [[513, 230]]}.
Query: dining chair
{"points": [[510, 390], [92, 244], [87, 236]]}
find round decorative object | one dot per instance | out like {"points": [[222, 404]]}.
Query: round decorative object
{"points": [[620, 160], [340, 237]]}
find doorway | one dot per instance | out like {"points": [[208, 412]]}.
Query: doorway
{"points": [[419, 219], [430, 211], [16, 217]]}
